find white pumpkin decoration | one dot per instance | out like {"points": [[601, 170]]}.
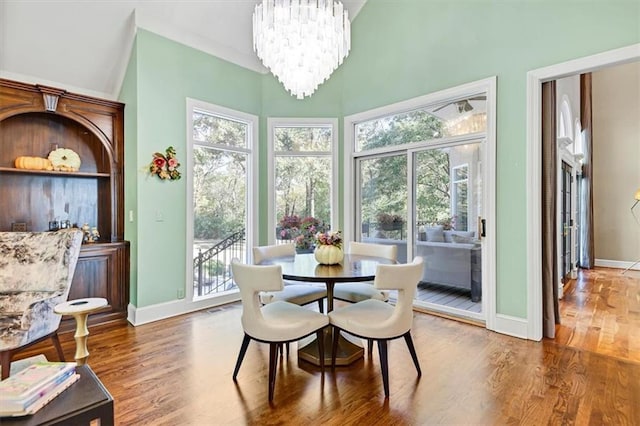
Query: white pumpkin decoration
{"points": [[64, 159], [328, 255]]}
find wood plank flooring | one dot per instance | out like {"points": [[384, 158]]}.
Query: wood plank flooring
{"points": [[178, 372], [600, 313]]}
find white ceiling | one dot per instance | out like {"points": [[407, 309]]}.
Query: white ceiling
{"points": [[84, 45]]}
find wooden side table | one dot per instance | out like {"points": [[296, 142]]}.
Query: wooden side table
{"points": [[80, 310], [86, 402]]}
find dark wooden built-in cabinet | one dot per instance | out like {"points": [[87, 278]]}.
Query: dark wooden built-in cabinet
{"points": [[34, 120]]}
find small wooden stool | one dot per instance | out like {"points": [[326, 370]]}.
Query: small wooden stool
{"points": [[80, 310]]}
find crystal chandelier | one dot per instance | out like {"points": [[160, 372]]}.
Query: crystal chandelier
{"points": [[301, 41]]}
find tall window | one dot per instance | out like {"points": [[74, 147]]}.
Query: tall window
{"points": [[302, 172], [220, 218]]}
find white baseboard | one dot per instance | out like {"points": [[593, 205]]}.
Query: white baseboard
{"points": [[146, 314], [512, 326], [619, 264]]}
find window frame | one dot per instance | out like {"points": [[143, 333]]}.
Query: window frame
{"points": [[274, 122], [251, 150]]}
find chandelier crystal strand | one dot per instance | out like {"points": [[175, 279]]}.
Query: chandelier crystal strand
{"points": [[301, 41]]}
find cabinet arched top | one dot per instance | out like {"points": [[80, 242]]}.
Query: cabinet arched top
{"points": [[103, 118], [36, 119]]}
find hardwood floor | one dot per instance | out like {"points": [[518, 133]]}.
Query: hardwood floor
{"points": [[178, 371], [600, 313]]}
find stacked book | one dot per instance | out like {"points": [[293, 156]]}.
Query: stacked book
{"points": [[30, 389]]}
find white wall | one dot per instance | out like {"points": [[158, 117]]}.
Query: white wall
{"points": [[616, 163]]}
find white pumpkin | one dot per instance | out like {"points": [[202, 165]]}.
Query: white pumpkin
{"points": [[64, 159]]}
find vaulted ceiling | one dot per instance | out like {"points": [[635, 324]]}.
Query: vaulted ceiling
{"points": [[85, 44]]}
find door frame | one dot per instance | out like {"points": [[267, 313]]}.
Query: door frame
{"points": [[488, 85], [535, 78]]}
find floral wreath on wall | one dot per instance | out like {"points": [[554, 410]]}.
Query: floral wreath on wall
{"points": [[165, 166]]}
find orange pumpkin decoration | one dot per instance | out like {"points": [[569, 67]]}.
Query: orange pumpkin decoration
{"points": [[33, 163]]}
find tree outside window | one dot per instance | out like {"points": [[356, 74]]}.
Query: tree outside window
{"points": [[219, 176]]}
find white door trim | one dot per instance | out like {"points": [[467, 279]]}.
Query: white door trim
{"points": [[489, 85], [535, 78]]}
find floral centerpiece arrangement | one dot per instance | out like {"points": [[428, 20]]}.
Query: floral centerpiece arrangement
{"points": [[165, 166], [329, 238], [328, 247]]}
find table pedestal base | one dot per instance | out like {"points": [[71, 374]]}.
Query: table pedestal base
{"points": [[80, 310], [347, 353]]}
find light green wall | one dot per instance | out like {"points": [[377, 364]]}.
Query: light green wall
{"points": [[406, 48], [129, 95], [167, 74], [276, 102], [400, 49]]}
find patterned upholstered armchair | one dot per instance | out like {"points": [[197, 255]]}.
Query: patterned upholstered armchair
{"points": [[36, 269]]}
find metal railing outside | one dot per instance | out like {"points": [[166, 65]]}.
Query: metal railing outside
{"points": [[212, 268]]}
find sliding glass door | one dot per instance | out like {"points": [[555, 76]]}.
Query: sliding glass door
{"points": [[383, 200], [447, 208], [423, 180]]}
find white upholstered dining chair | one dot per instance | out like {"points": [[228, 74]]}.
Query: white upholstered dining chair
{"points": [[357, 292], [275, 323], [300, 294], [376, 320]]}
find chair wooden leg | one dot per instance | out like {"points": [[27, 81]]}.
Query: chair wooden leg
{"points": [[321, 306], [384, 365], [56, 343], [5, 363], [412, 350], [243, 350], [370, 347], [320, 339], [273, 362], [334, 346], [281, 349]]}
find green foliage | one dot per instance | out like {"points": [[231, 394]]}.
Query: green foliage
{"points": [[303, 183], [215, 267], [399, 129], [432, 186], [383, 179], [219, 178]]}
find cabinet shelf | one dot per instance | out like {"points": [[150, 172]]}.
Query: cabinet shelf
{"points": [[31, 123], [53, 173]]}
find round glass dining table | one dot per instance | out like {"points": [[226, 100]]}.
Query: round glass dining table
{"points": [[352, 268]]}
